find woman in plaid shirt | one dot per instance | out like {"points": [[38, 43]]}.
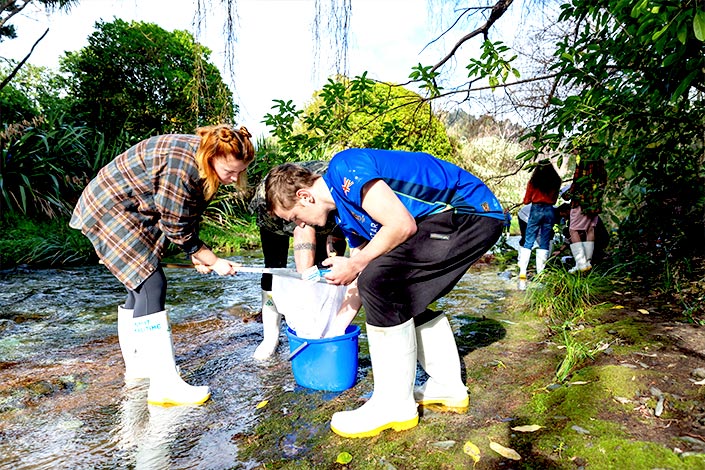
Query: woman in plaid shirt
{"points": [[150, 195]]}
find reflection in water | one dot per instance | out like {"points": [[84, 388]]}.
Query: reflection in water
{"points": [[134, 418], [63, 402], [146, 433]]}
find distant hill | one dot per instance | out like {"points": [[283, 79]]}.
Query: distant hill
{"points": [[488, 149]]}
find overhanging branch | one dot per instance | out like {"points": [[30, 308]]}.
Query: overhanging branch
{"points": [[21, 63], [497, 11]]}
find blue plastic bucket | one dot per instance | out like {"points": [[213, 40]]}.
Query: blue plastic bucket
{"points": [[328, 364]]}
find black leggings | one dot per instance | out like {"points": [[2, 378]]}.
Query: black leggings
{"points": [[149, 297], [275, 249]]}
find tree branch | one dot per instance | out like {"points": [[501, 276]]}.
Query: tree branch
{"points": [[21, 63], [12, 8], [497, 11]]}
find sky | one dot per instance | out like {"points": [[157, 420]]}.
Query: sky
{"points": [[274, 53]]}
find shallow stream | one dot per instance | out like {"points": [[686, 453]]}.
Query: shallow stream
{"points": [[63, 403]]}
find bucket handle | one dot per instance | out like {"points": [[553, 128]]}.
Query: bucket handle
{"points": [[296, 351]]}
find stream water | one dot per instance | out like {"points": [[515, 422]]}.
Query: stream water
{"points": [[63, 403]]}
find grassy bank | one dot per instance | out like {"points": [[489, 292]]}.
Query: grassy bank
{"points": [[590, 381], [42, 243]]}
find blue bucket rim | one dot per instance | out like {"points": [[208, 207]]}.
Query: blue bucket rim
{"points": [[354, 332]]}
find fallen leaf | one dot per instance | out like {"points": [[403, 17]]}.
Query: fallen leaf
{"points": [[579, 382], [623, 400], [505, 452], [617, 307], [579, 430], [643, 310], [527, 428], [602, 347], [618, 293], [658, 411], [472, 450], [262, 404], [344, 458], [700, 382], [443, 444]]}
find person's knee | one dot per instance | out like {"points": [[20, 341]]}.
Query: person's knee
{"points": [[150, 296], [380, 308]]}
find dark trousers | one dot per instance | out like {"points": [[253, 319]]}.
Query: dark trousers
{"points": [[149, 297], [401, 284]]}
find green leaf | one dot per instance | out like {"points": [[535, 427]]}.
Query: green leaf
{"points": [[344, 458], [638, 8], [659, 33], [699, 25], [683, 32], [670, 59], [684, 85]]}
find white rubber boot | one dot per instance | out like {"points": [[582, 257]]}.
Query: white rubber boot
{"points": [[438, 356], [541, 258], [523, 262], [581, 263], [589, 248], [392, 406], [134, 368], [271, 320], [152, 336]]}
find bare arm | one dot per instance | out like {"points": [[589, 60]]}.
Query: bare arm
{"points": [[205, 261], [304, 247]]}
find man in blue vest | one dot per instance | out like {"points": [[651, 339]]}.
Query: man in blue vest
{"points": [[414, 225]]}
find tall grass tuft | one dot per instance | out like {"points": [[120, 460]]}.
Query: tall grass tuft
{"points": [[61, 249], [562, 296]]}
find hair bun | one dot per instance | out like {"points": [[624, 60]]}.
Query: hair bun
{"points": [[245, 132], [225, 134]]}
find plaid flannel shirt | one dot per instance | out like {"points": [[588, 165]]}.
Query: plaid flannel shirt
{"points": [[146, 197]]}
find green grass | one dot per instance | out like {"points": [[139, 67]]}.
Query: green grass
{"points": [[564, 297], [47, 243], [41, 243]]}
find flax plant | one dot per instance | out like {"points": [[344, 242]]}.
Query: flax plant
{"points": [[575, 353]]}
